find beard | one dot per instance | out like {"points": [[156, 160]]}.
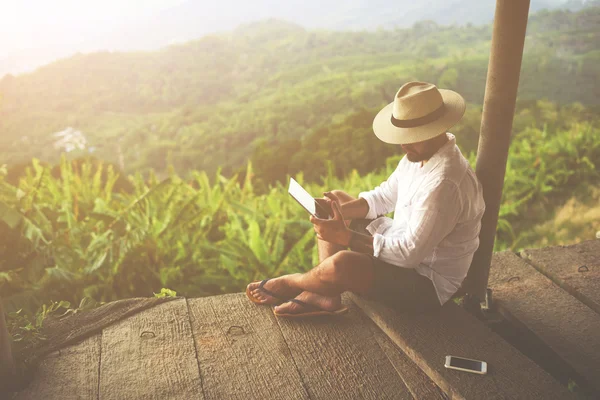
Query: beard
{"points": [[418, 157], [414, 157]]}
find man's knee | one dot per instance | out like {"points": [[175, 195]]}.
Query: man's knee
{"points": [[339, 267]]}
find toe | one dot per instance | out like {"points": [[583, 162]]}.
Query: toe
{"points": [[260, 296], [255, 292], [287, 308]]}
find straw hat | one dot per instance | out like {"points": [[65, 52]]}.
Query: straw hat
{"points": [[420, 111]]}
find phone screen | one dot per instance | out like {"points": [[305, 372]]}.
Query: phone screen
{"points": [[306, 200], [466, 364]]}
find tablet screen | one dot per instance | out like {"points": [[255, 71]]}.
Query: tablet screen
{"points": [[302, 196]]}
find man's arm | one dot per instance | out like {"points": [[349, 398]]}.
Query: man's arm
{"points": [[352, 209], [382, 199], [430, 221], [335, 230], [361, 243], [355, 209]]}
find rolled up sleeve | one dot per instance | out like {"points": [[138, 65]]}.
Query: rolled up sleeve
{"points": [[430, 221], [382, 199]]}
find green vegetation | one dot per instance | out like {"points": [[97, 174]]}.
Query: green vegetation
{"points": [[350, 144], [211, 103], [73, 236]]}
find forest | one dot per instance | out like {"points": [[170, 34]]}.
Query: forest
{"points": [[212, 103], [176, 181]]}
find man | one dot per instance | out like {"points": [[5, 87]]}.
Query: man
{"points": [[415, 261]]}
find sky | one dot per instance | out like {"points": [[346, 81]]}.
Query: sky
{"points": [[35, 24], [34, 33]]}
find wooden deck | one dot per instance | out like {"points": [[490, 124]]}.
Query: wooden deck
{"points": [[225, 347], [555, 294]]}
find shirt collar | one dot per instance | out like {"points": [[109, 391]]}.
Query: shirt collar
{"points": [[440, 154]]}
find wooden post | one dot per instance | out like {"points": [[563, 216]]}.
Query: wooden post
{"points": [[508, 37], [7, 366]]}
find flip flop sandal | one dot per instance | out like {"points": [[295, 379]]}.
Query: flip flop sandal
{"points": [[316, 311], [262, 288]]}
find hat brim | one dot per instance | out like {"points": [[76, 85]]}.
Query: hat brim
{"points": [[454, 106]]}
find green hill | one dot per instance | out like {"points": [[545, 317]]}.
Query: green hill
{"points": [[210, 103]]}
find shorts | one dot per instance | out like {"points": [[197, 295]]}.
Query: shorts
{"points": [[403, 289]]}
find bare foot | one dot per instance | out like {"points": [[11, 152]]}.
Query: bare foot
{"points": [[323, 302], [278, 286]]}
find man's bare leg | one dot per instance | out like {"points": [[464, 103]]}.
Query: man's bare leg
{"points": [[343, 271], [325, 250]]}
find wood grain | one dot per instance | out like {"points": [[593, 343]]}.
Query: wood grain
{"points": [[241, 351], [65, 330], [560, 320], [339, 358], [419, 384], [575, 268], [69, 373], [150, 355], [428, 338]]}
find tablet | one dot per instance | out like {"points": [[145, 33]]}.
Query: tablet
{"points": [[306, 200]]}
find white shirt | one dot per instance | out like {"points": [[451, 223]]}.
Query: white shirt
{"points": [[437, 217]]}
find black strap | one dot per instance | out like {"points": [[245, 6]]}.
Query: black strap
{"points": [[265, 290], [309, 306], [411, 123]]}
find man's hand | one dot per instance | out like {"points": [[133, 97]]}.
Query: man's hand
{"points": [[327, 201], [333, 230], [326, 204]]}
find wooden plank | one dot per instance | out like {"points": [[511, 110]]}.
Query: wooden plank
{"points": [[69, 373], [151, 355], [241, 351], [63, 331], [339, 358], [417, 382], [561, 321], [428, 338], [575, 268]]}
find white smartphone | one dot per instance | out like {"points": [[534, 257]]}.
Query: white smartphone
{"points": [[306, 200], [466, 364]]}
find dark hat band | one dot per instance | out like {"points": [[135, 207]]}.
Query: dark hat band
{"points": [[412, 123]]}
